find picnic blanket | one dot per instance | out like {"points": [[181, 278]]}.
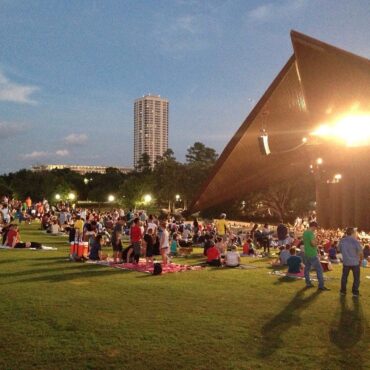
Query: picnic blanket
{"points": [[141, 267], [295, 276]]}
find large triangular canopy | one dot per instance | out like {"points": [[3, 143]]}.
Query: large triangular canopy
{"points": [[319, 81]]}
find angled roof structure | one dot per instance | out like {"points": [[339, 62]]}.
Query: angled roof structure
{"points": [[319, 81]]}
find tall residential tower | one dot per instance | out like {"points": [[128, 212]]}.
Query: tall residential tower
{"points": [[150, 127]]}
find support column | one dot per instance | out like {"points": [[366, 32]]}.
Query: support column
{"points": [[335, 205], [361, 203], [348, 202], [322, 204]]}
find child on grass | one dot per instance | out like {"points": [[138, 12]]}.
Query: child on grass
{"points": [[174, 245]]}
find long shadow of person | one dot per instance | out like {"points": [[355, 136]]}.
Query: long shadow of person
{"points": [[279, 324], [348, 332]]}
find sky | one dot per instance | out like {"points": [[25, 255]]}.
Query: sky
{"points": [[70, 70]]}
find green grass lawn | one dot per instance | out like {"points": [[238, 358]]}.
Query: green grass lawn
{"points": [[56, 314]]}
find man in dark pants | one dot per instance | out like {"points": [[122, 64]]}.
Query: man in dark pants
{"points": [[352, 255]]}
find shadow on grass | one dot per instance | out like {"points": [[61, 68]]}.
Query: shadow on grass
{"points": [[347, 332], [44, 270], [285, 279], [50, 260], [94, 271], [8, 261], [283, 321], [276, 267]]}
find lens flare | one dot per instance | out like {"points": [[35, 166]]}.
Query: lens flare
{"points": [[352, 130]]}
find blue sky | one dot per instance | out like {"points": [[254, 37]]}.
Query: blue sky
{"points": [[70, 70]]}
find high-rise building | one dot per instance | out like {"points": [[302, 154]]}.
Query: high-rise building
{"points": [[150, 127]]}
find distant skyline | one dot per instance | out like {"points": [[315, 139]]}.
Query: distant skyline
{"points": [[71, 70]]}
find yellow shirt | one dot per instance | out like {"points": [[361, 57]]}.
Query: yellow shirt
{"points": [[221, 227], [79, 225]]}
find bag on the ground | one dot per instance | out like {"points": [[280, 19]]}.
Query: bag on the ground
{"points": [[157, 269]]}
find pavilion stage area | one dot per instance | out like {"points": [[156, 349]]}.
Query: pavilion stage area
{"points": [[314, 117]]}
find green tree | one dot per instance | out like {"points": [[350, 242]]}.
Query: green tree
{"points": [[5, 189], [201, 155], [200, 159], [167, 179], [134, 187], [143, 164]]}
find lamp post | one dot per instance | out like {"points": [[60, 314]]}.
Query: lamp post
{"points": [[147, 199]]}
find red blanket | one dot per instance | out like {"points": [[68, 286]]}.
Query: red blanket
{"points": [[141, 267]]}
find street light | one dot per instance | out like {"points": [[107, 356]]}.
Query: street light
{"points": [[319, 161], [177, 197], [111, 198], [71, 196], [86, 181], [57, 196], [337, 177], [147, 198]]}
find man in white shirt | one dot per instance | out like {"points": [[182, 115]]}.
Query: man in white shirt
{"points": [[164, 243], [5, 212], [232, 258], [151, 224], [284, 255]]}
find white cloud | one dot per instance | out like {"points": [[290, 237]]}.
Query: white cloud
{"points": [[43, 154], [62, 152], [186, 33], [9, 129], [35, 154], [273, 10], [16, 93], [76, 139]]}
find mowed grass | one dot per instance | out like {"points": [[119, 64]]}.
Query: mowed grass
{"points": [[55, 314]]}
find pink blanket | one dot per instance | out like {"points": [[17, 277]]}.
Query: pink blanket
{"points": [[141, 267]]}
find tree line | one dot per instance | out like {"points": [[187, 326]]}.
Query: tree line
{"points": [[170, 184]]}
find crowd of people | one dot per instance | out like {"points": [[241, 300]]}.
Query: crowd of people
{"points": [[300, 247]]}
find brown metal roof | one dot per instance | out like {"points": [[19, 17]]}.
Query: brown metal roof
{"points": [[318, 81]]}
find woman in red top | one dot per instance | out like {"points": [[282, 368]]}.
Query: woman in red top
{"points": [[213, 256], [12, 238], [136, 235]]}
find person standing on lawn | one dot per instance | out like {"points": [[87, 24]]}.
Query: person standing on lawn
{"points": [[164, 243], [351, 251], [311, 258], [222, 227], [136, 236]]}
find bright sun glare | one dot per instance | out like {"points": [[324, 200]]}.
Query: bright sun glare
{"points": [[352, 130]]}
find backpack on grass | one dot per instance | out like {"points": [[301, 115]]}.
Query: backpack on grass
{"points": [[157, 269]]}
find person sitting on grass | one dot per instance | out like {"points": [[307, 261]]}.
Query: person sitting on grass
{"points": [[284, 255], [333, 253], [220, 245], [4, 232], [295, 265], [45, 221], [208, 242], [366, 252], [276, 262], [13, 240], [96, 249], [246, 247], [213, 256], [54, 228], [232, 258]]}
